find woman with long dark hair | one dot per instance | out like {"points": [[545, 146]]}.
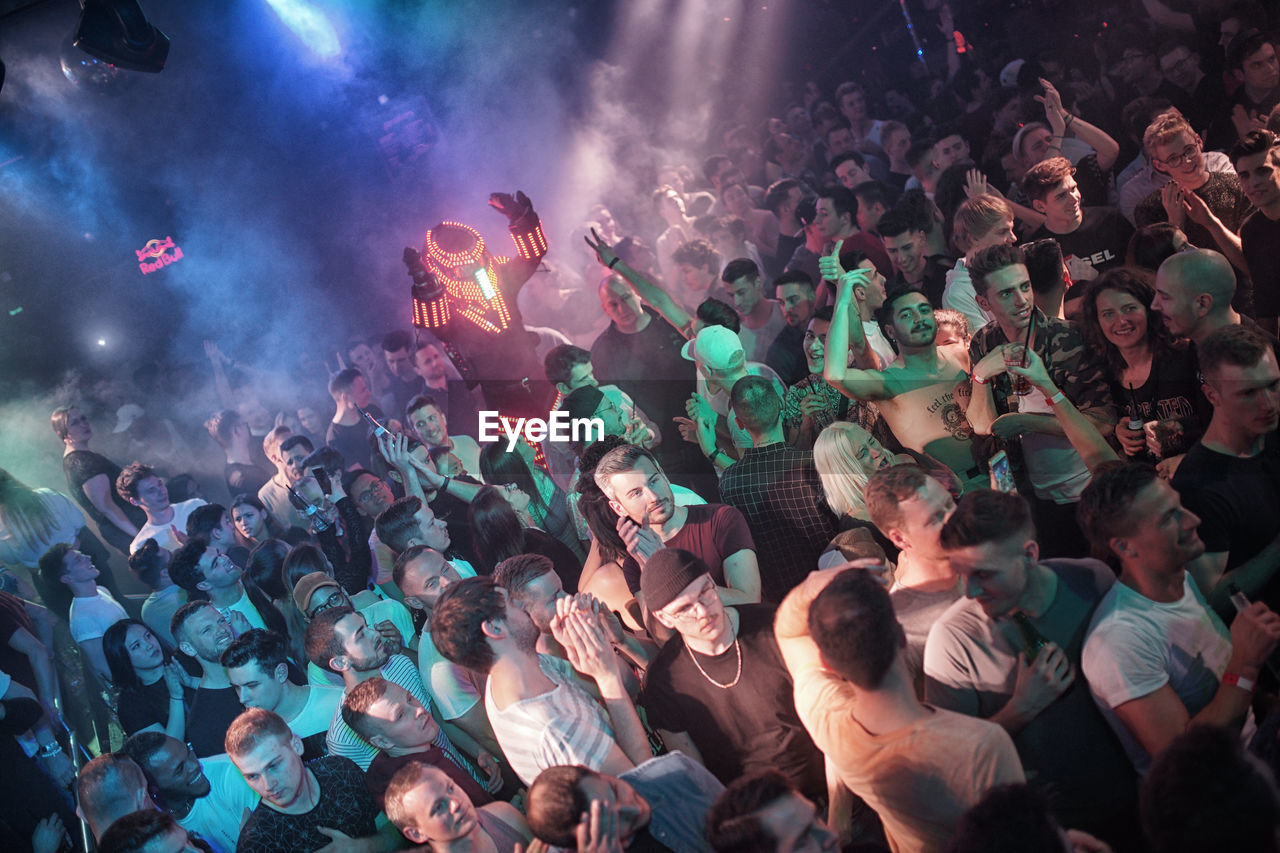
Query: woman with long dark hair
{"points": [[548, 506], [91, 478], [265, 570], [155, 692], [254, 524], [1153, 377], [499, 532]]}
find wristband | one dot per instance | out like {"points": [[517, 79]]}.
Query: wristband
{"points": [[1057, 398], [1066, 122], [444, 485], [1240, 681], [614, 262], [50, 749], [977, 381], [714, 453]]}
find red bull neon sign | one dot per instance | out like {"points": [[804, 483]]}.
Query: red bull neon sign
{"points": [[157, 254]]}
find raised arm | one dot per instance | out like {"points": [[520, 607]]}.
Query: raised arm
{"points": [[1062, 123], [673, 312], [1078, 428], [852, 382]]}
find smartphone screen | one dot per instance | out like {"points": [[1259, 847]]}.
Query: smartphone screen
{"points": [[1001, 473]]}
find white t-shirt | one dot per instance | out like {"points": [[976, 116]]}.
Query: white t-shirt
{"points": [[959, 295], [323, 702], [244, 607], [879, 343], [219, 815], [163, 533], [1135, 646], [91, 617]]}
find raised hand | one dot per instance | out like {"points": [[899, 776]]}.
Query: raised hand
{"points": [[829, 265], [642, 543], [512, 208], [604, 252], [1054, 112]]}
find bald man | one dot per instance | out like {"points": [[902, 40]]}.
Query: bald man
{"points": [[108, 788], [640, 353], [1193, 293]]}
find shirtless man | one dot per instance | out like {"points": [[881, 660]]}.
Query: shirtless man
{"points": [[923, 396]]}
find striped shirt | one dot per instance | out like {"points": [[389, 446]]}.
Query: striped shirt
{"points": [[343, 740], [563, 726]]}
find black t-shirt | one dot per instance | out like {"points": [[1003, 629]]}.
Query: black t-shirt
{"points": [[786, 355], [144, 706], [648, 366], [1260, 237], [353, 441], [81, 466], [1102, 238], [345, 805], [1238, 500], [212, 712], [744, 728], [1171, 393], [245, 479]]}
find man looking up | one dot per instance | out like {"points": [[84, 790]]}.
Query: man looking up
{"points": [[540, 716], [1050, 471], [304, 807], [166, 522], [339, 640], [921, 397], [207, 796], [920, 768], [1157, 659], [719, 691], [204, 634], [1228, 477], [203, 569], [1009, 652], [257, 667], [403, 731], [93, 609], [649, 519]]}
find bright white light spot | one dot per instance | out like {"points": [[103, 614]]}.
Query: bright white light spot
{"points": [[382, 99], [310, 25], [102, 342]]}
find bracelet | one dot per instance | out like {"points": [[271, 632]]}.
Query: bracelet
{"points": [[978, 381], [1057, 398], [444, 485], [1067, 121], [1240, 681], [714, 453], [614, 262], [50, 749], [177, 698]]}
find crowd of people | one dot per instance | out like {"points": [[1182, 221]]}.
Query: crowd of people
{"points": [[933, 505]]}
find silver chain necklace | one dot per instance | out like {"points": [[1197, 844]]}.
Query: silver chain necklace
{"points": [[736, 677]]}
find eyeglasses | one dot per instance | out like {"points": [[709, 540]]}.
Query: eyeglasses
{"points": [[702, 602], [1184, 156], [337, 598], [1178, 65], [367, 495]]}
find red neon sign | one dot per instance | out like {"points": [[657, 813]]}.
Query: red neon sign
{"points": [[157, 254]]}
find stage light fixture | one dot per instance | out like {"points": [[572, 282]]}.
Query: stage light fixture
{"points": [[116, 31]]}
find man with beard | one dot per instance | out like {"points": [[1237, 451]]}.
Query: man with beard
{"points": [[649, 519], [1049, 471], [923, 396], [540, 716], [204, 634], [289, 470], [339, 640], [797, 294], [207, 796]]}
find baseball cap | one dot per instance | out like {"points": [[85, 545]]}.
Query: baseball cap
{"points": [[716, 347]]}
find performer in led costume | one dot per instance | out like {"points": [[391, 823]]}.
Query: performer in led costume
{"points": [[466, 297]]}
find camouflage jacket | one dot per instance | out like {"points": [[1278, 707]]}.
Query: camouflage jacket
{"points": [[1078, 373]]}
